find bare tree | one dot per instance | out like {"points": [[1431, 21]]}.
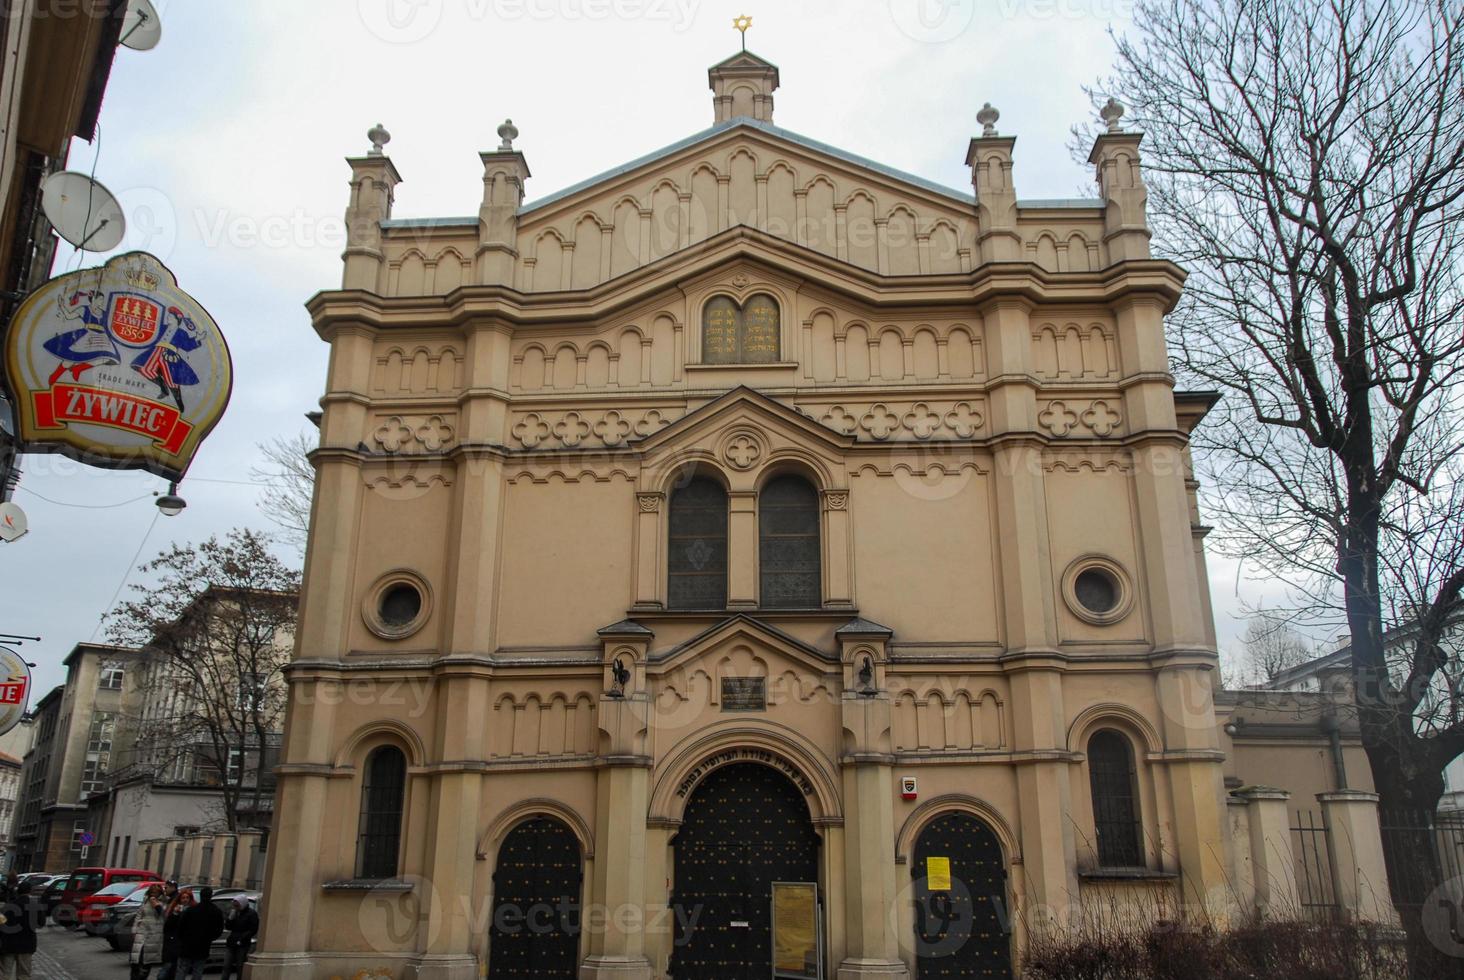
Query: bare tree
{"points": [[1306, 166], [215, 621], [1272, 647], [289, 484]]}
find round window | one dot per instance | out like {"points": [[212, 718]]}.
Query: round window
{"points": [[400, 605], [1096, 590], [397, 605]]}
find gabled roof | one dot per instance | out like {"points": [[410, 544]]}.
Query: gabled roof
{"points": [[745, 624], [746, 122], [863, 627], [756, 399], [964, 198], [744, 59]]}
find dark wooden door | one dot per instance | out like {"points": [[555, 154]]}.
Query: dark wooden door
{"points": [[746, 826], [536, 913], [963, 924]]}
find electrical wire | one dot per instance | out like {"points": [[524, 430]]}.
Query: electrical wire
{"points": [[90, 191], [126, 575], [62, 503]]}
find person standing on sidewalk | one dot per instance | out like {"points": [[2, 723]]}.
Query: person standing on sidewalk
{"points": [[201, 925], [23, 914], [147, 934], [242, 923]]}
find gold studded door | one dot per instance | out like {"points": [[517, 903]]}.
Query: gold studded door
{"points": [[962, 918], [536, 904], [745, 827]]}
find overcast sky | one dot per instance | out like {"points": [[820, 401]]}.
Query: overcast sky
{"points": [[225, 145]]}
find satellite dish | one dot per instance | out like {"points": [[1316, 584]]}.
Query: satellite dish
{"points": [[82, 211], [142, 29], [13, 523]]}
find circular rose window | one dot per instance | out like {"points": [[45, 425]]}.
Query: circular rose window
{"points": [[1097, 590], [397, 605]]}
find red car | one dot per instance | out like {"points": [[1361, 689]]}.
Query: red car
{"points": [[91, 912], [88, 883]]}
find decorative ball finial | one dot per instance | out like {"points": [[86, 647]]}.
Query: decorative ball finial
{"points": [[379, 137], [1111, 113], [987, 117], [508, 132]]}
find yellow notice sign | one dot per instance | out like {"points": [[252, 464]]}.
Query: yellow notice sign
{"points": [[938, 874], [795, 930]]}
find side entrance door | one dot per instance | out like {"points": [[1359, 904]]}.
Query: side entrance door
{"points": [[536, 910], [962, 918]]}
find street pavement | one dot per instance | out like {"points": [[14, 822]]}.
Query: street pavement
{"points": [[63, 955]]}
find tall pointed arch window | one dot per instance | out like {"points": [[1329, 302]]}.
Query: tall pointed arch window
{"points": [[383, 792], [740, 334], [697, 546], [788, 545], [1114, 784]]}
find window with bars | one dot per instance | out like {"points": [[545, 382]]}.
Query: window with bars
{"points": [[253, 688], [788, 545], [98, 752], [382, 796], [697, 546], [1114, 784]]}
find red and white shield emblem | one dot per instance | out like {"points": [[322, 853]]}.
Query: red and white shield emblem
{"points": [[134, 320]]}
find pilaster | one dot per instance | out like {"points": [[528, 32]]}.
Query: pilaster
{"points": [[872, 947], [478, 492], [742, 549], [622, 795]]}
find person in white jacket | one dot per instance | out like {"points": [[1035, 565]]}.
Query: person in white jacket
{"points": [[147, 934]]}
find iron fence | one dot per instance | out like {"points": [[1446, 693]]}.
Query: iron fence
{"points": [[1423, 851], [1314, 883]]}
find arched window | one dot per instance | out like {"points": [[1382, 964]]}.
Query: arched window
{"points": [[746, 334], [1115, 800], [697, 553], [382, 792], [788, 545]]}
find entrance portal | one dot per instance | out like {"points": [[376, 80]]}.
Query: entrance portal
{"points": [[536, 893], [962, 918], [746, 826]]}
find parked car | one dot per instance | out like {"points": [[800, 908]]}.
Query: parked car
{"points": [[37, 879], [91, 911], [52, 895], [89, 881], [116, 925]]}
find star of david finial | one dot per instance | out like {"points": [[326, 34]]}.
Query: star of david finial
{"points": [[742, 22]]}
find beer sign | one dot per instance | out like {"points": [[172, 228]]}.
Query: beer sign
{"points": [[118, 367], [15, 680]]}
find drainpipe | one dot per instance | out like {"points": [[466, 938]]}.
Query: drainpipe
{"points": [[1332, 728]]}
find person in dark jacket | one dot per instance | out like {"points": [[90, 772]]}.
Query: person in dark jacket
{"points": [[173, 933], [242, 923], [202, 924], [23, 913]]}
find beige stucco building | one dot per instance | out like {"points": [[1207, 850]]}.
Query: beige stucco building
{"points": [[753, 512]]}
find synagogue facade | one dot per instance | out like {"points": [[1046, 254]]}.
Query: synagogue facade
{"points": [[751, 559]]}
